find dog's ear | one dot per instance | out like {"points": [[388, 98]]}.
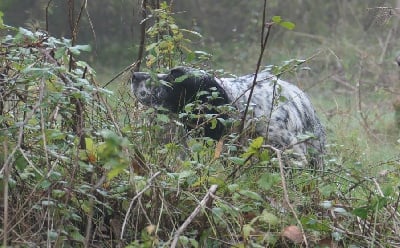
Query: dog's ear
{"points": [[177, 75]]}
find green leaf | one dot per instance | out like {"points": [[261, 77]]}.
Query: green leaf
{"points": [[117, 167], [236, 160], [1, 20], [190, 57], [251, 195], [247, 230], [257, 143], [48, 203], [361, 212], [90, 147], [194, 243], [269, 218], [52, 235], [196, 147], [213, 123], [163, 118], [45, 184], [313, 223], [264, 156], [76, 50], [277, 19], [288, 25], [268, 180], [218, 181], [181, 78], [60, 52], [77, 236]]}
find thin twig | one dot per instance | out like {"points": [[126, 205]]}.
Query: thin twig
{"points": [[142, 36], [11, 157], [128, 68], [134, 199], [264, 41], [364, 117], [286, 194], [47, 15], [5, 192], [199, 207]]}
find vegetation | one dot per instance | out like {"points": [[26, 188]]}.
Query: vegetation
{"points": [[85, 166]]}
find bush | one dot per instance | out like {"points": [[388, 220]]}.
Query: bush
{"points": [[83, 166]]}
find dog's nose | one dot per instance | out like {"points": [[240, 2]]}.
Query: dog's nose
{"points": [[138, 77]]}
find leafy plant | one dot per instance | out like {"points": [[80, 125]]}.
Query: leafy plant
{"points": [[168, 42], [118, 174]]}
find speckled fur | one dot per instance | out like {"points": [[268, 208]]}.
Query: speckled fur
{"points": [[279, 111]]}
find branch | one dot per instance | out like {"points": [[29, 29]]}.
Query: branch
{"points": [[47, 15], [286, 194], [199, 207], [264, 41], [142, 36], [134, 199]]}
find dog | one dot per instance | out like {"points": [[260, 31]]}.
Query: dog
{"points": [[279, 111]]}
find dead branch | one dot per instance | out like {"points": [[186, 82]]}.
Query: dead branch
{"points": [[286, 194], [202, 205], [134, 199]]}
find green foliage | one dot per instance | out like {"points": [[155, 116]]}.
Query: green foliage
{"points": [[167, 41], [134, 173], [1, 20], [42, 92], [278, 20]]}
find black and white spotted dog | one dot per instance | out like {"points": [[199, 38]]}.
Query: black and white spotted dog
{"points": [[279, 111]]}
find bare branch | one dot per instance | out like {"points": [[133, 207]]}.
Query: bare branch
{"points": [[264, 41], [202, 205], [134, 199], [286, 194]]}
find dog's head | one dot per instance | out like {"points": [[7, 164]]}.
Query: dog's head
{"points": [[182, 85]]}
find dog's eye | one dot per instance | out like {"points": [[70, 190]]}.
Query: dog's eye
{"points": [[133, 77]]}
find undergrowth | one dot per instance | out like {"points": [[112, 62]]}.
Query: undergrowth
{"points": [[86, 167]]}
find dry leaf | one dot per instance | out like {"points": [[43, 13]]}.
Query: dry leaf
{"points": [[293, 233], [218, 148]]}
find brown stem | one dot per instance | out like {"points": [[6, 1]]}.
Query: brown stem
{"points": [[47, 15], [142, 36], [264, 41], [78, 118]]}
